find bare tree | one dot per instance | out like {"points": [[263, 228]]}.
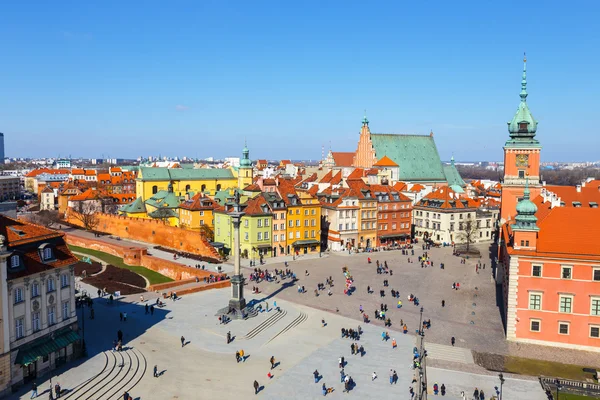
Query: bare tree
{"points": [[46, 218], [467, 231], [162, 214], [86, 213], [207, 232]]}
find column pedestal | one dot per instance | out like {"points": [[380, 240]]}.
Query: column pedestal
{"points": [[237, 301]]}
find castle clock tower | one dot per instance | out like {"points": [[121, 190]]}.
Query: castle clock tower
{"points": [[521, 156]]}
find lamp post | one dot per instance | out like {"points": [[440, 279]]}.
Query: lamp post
{"points": [[501, 383], [558, 387]]}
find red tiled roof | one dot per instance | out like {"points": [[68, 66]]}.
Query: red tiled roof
{"points": [[446, 198], [89, 194], [417, 188], [357, 174], [36, 172], [343, 158], [252, 188], [385, 161], [198, 202], [254, 206], [327, 177], [104, 176], [337, 179], [569, 194]]}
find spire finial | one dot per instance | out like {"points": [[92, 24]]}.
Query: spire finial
{"points": [[365, 120], [524, 79], [452, 159]]}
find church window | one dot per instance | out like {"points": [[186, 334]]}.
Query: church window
{"points": [[522, 126]]}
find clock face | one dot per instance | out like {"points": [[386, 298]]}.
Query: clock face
{"points": [[522, 160]]}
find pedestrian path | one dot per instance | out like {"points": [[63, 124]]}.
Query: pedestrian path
{"points": [[449, 353]]}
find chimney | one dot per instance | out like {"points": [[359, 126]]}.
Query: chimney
{"points": [[544, 183], [578, 188]]}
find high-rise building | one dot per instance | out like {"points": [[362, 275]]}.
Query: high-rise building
{"points": [[1, 147]]}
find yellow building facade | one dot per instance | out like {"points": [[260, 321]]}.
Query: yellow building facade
{"points": [[303, 223]]}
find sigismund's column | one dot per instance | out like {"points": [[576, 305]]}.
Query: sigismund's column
{"points": [[237, 301]]}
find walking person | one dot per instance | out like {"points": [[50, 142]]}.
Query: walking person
{"points": [[33, 391], [182, 341], [391, 376], [57, 389], [242, 356], [453, 340], [156, 371], [272, 360], [316, 375], [374, 376], [256, 387]]}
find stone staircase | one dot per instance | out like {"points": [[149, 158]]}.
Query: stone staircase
{"points": [[449, 353]]}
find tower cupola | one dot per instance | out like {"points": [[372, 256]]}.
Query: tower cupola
{"points": [[523, 126]]}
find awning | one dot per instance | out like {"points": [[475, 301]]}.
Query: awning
{"points": [[393, 235], [43, 346], [217, 245], [263, 246], [305, 242]]}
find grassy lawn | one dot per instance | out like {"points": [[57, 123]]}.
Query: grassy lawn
{"points": [[153, 277], [527, 366], [573, 397]]}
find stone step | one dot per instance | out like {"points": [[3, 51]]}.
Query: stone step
{"points": [[449, 353]]}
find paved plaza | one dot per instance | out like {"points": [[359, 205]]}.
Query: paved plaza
{"points": [[205, 368]]}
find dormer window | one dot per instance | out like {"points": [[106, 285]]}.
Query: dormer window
{"points": [[46, 252], [15, 261]]}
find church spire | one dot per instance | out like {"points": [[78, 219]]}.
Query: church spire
{"points": [[524, 80], [365, 121]]}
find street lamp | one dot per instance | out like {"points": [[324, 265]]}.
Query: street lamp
{"points": [[501, 383], [558, 387]]}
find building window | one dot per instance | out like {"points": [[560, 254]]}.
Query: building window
{"points": [[259, 223], [596, 276], [259, 236], [521, 174], [283, 237], [64, 280], [50, 287], [291, 223], [536, 271], [266, 235], [246, 223], [535, 325], [282, 227], [297, 234], [245, 235], [313, 212], [566, 304], [595, 331], [305, 222], [566, 272], [47, 254], [201, 222], [19, 328], [51, 319], [15, 261], [595, 306], [305, 212], [267, 222], [313, 222], [35, 289], [154, 189], [535, 301], [563, 328], [18, 295], [65, 310], [35, 321]]}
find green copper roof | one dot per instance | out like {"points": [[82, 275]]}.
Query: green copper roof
{"points": [[416, 155], [526, 210], [452, 175], [137, 206], [163, 199], [163, 213], [180, 174], [523, 126], [38, 348], [245, 161]]}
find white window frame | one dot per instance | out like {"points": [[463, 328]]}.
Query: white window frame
{"points": [[531, 321], [297, 234], [19, 295], [531, 294], [64, 281], [541, 270], [50, 285], [15, 261], [562, 268], [19, 328], [590, 331], [35, 289], [51, 315], [566, 296], [259, 236], [48, 253], [35, 321], [246, 223], [266, 235], [568, 324], [283, 237], [246, 236], [592, 299], [65, 310]]}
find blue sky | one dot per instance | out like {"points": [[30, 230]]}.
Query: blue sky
{"points": [[124, 79]]}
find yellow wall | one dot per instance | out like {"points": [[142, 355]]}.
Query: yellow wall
{"points": [[367, 226], [192, 219], [245, 177], [306, 221], [143, 188]]}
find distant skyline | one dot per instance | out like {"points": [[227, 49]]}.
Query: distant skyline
{"points": [[127, 79]]}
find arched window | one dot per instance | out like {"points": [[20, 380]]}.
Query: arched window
{"points": [[50, 286], [218, 187], [203, 188], [15, 261], [154, 189], [187, 188], [247, 174]]}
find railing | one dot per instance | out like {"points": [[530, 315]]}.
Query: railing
{"points": [[549, 385]]}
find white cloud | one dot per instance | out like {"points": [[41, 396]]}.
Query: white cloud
{"points": [[180, 107]]}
